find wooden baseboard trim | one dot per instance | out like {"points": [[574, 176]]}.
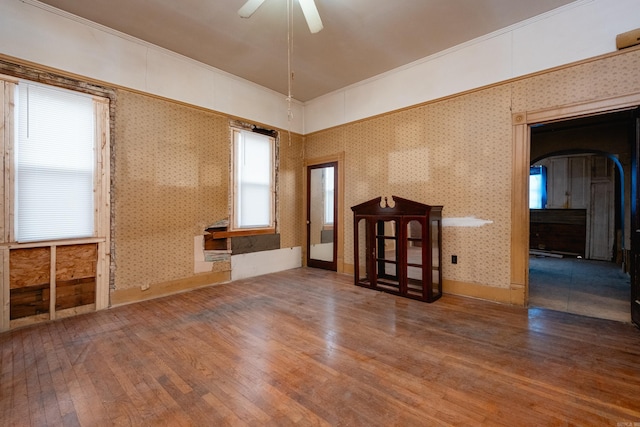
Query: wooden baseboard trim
{"points": [[30, 320], [513, 295], [348, 268], [131, 295]]}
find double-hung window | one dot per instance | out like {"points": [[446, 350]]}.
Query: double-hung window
{"points": [[55, 227], [55, 163], [253, 180], [55, 150]]}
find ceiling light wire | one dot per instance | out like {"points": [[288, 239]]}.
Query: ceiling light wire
{"points": [[289, 72]]}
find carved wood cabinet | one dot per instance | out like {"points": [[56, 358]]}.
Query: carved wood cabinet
{"points": [[398, 248]]}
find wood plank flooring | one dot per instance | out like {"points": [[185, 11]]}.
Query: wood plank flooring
{"points": [[307, 347]]}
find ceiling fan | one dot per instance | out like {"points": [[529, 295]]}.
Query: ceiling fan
{"points": [[309, 10]]}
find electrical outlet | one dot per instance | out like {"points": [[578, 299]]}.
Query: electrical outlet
{"points": [[454, 259]]}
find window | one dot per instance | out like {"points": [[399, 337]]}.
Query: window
{"points": [[537, 187], [56, 192], [328, 195], [55, 163], [253, 180]]}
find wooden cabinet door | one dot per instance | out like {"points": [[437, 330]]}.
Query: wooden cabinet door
{"points": [[558, 174]]}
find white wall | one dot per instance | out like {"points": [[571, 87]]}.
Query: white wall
{"points": [[35, 32], [580, 30], [258, 263]]}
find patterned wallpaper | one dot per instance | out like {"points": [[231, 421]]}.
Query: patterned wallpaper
{"points": [[172, 163], [171, 180], [594, 80], [457, 153], [290, 183]]}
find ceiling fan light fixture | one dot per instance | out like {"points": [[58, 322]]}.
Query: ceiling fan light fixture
{"points": [[249, 8], [310, 12]]}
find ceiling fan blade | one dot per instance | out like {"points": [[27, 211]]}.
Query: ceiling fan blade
{"points": [[310, 12], [249, 8]]}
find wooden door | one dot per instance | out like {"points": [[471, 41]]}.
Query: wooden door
{"points": [[601, 221], [322, 216], [635, 221], [558, 175]]}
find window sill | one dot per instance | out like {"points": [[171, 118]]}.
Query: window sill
{"points": [[46, 243], [241, 232]]}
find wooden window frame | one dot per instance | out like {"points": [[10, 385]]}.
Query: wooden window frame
{"points": [[102, 210], [234, 229]]}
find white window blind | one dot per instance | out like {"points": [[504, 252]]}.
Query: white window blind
{"points": [[55, 162], [253, 163]]}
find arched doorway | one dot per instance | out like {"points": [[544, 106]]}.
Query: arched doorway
{"points": [[578, 239]]}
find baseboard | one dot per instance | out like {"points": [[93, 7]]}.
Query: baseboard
{"points": [[130, 295], [513, 295]]}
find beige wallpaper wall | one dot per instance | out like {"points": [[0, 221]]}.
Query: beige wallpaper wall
{"points": [[290, 190], [458, 153], [171, 170], [595, 80], [171, 180]]}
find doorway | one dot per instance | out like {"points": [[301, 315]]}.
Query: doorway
{"points": [[579, 237], [590, 288], [322, 216]]}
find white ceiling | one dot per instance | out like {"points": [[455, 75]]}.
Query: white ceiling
{"points": [[360, 39]]}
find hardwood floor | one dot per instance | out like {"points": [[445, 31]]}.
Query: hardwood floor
{"points": [[308, 347]]}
